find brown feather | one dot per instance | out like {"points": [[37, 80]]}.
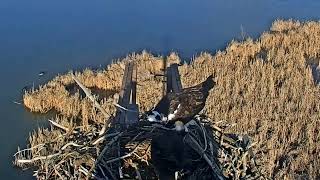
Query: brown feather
{"points": [[192, 100]]}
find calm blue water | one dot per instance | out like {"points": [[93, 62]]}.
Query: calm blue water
{"points": [[58, 35]]}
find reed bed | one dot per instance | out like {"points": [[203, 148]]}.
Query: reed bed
{"points": [[268, 87]]}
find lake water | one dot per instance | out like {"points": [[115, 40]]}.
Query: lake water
{"points": [[59, 35]]}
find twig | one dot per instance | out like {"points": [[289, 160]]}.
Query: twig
{"points": [[39, 145], [119, 163], [89, 95], [105, 177], [195, 145], [127, 155], [98, 140], [104, 137], [108, 145], [103, 129], [95, 103], [83, 170], [22, 161], [57, 172], [137, 170], [123, 108], [60, 126], [111, 174], [104, 150], [121, 157], [70, 144]]}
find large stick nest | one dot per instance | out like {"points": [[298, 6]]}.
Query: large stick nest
{"points": [[73, 153]]}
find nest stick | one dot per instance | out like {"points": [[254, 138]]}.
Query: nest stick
{"points": [[102, 138], [104, 176], [96, 104], [123, 157], [83, 170], [22, 161], [70, 144], [104, 150], [195, 145], [123, 108], [60, 126], [137, 171], [28, 149]]}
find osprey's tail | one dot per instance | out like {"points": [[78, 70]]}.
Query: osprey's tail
{"points": [[208, 84]]}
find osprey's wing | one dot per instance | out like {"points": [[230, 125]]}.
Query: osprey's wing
{"points": [[174, 103], [168, 104], [191, 102]]}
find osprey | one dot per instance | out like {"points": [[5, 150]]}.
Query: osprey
{"points": [[182, 106]]}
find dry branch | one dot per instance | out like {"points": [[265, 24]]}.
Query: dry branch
{"points": [[22, 161], [60, 126], [96, 104]]}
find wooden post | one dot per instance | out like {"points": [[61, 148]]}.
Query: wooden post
{"points": [[126, 85], [169, 79], [164, 80], [176, 82], [130, 114], [127, 115], [134, 85], [173, 79]]}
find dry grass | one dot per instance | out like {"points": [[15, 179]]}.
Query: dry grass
{"points": [[56, 94], [266, 86]]}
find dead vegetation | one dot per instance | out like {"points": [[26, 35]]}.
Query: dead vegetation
{"points": [[268, 87]]}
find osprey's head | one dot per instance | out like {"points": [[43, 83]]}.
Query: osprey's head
{"points": [[208, 83], [154, 116], [179, 126]]}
